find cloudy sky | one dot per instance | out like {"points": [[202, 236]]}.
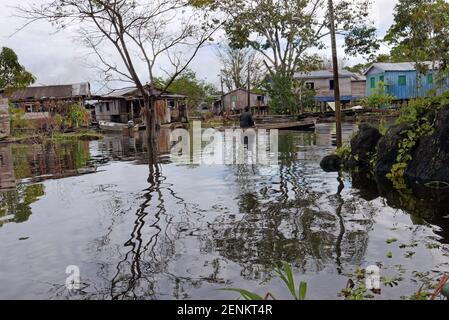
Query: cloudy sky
{"points": [[57, 58]]}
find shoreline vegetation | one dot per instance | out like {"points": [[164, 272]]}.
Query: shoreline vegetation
{"points": [[70, 123], [413, 151], [33, 138]]}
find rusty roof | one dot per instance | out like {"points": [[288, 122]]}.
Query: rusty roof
{"points": [[68, 91]]}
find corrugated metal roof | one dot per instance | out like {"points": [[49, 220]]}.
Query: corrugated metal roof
{"points": [[322, 74], [132, 92], [400, 66], [52, 92], [358, 77], [120, 93]]}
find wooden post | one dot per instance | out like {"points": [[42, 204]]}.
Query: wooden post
{"points": [[249, 89], [336, 78], [222, 95]]}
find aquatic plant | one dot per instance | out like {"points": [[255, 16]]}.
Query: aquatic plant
{"points": [[285, 273]]}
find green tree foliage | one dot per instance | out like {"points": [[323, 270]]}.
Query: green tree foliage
{"points": [[77, 116], [197, 91], [282, 97], [284, 31], [12, 74], [379, 98], [420, 32]]}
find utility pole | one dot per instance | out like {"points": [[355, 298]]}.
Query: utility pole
{"points": [[222, 94], [336, 79], [249, 88]]}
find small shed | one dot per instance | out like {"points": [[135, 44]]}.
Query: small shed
{"points": [[236, 101]]}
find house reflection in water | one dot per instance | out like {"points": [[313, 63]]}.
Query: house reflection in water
{"points": [[36, 163], [7, 176]]}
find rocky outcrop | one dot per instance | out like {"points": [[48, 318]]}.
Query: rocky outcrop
{"points": [[430, 159], [331, 163], [387, 148], [363, 146], [429, 164]]}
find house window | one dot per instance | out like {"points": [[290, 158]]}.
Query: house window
{"points": [[101, 109], [331, 85], [382, 79], [233, 98], [402, 80], [107, 106], [310, 85], [430, 79], [373, 83]]}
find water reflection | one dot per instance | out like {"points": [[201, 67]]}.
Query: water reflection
{"points": [[23, 166], [425, 205], [165, 231], [284, 217]]}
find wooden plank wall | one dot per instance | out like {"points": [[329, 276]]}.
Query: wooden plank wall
{"points": [[4, 119]]}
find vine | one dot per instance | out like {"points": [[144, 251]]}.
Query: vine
{"points": [[406, 146]]}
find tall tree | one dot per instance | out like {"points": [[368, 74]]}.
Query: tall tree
{"points": [[137, 31], [420, 33], [12, 74], [235, 66], [284, 31]]}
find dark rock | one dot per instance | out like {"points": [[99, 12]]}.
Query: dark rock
{"points": [[387, 148], [331, 163], [430, 159], [363, 145]]}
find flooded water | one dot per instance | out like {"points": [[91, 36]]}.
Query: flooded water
{"points": [[184, 232]]}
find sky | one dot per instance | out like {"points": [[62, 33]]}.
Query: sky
{"points": [[58, 58]]}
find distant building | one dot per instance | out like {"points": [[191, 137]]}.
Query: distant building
{"points": [[48, 98], [126, 104], [236, 101], [352, 86], [401, 79]]}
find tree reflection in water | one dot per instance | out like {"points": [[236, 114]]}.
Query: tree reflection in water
{"points": [[284, 217]]}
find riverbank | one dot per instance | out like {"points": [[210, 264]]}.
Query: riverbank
{"points": [[413, 151], [34, 138]]}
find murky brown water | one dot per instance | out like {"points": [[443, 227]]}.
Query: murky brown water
{"points": [[190, 230]]}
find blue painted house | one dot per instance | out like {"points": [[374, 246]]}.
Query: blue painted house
{"points": [[400, 80]]}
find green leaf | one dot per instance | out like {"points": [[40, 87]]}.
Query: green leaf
{"points": [[302, 290]]}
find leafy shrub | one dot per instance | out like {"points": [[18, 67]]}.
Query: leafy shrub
{"points": [[378, 98], [77, 116]]}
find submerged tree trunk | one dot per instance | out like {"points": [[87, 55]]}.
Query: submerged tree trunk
{"points": [[151, 128]]}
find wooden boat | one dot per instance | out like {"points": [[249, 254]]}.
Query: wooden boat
{"points": [[116, 127], [289, 125]]}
